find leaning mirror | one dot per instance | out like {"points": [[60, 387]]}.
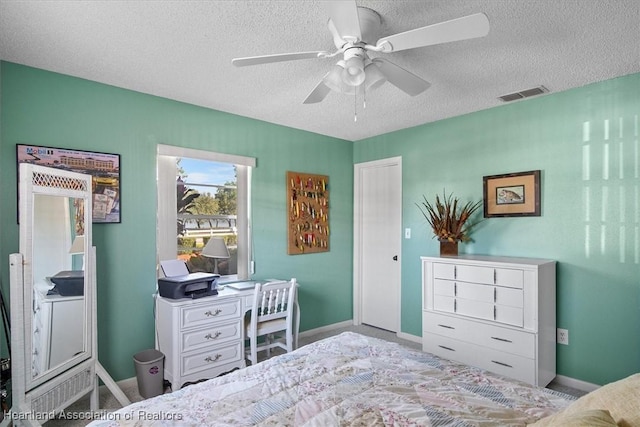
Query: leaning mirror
{"points": [[52, 291], [59, 305]]}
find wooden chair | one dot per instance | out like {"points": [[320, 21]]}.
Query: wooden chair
{"points": [[271, 313]]}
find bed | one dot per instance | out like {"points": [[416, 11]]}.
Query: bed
{"points": [[349, 379]]}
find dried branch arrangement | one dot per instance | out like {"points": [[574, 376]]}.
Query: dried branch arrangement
{"points": [[448, 218]]}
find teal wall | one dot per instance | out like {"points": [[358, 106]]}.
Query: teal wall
{"points": [[598, 272], [595, 239], [44, 108]]}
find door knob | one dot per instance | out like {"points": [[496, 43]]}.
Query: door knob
{"points": [[395, 257]]}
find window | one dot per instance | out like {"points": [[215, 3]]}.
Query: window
{"points": [[202, 195]]}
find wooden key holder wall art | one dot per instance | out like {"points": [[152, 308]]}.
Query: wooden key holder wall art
{"points": [[308, 213]]}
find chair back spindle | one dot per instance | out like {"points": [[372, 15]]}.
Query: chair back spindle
{"points": [[272, 313]]}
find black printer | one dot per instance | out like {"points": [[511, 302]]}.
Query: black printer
{"points": [[68, 283], [192, 285]]}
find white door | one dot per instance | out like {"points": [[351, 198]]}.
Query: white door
{"points": [[377, 243]]}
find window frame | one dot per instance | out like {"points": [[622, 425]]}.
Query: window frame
{"points": [[167, 215]]}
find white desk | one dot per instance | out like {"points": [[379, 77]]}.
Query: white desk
{"points": [[203, 338]]}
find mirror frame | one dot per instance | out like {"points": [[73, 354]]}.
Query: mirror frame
{"points": [[77, 376]]}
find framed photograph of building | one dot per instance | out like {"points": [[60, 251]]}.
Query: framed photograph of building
{"points": [[103, 167]]}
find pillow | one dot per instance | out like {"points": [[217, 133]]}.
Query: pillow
{"points": [[621, 399], [590, 418]]}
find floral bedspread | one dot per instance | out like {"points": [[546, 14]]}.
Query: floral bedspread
{"points": [[348, 380]]}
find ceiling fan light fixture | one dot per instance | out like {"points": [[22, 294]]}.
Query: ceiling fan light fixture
{"points": [[373, 77], [353, 73], [334, 78]]}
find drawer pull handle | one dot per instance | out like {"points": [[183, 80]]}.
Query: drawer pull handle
{"points": [[445, 326], [502, 364], [446, 348], [214, 313], [501, 339], [214, 336], [213, 359]]}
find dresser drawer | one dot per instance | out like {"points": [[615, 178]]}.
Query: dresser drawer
{"points": [[510, 277], [495, 337], [214, 334], [480, 310], [210, 357], [479, 292], [510, 365], [450, 348], [209, 312]]}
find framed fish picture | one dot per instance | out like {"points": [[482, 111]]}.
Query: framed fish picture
{"points": [[514, 194]]}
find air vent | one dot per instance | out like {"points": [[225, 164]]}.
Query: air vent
{"points": [[524, 94]]}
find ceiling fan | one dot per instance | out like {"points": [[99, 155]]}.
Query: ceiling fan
{"points": [[353, 28]]}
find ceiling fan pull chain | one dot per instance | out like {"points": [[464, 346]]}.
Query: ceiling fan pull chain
{"points": [[364, 97], [355, 107]]}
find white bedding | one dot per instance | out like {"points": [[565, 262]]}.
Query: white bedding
{"points": [[348, 379]]}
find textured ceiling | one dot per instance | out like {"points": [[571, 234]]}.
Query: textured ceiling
{"points": [[182, 50]]}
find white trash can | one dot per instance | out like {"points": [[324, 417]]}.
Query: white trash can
{"points": [[149, 372]]}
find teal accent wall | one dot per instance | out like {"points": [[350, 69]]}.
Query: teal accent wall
{"points": [[49, 109], [585, 142]]}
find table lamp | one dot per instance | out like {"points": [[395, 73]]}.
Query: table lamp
{"points": [[215, 248], [77, 247]]}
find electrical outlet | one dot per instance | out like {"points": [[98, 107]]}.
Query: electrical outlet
{"points": [[562, 336]]}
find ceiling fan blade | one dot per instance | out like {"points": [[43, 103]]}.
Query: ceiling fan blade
{"points": [[467, 27], [344, 15], [318, 93], [280, 57], [401, 78]]}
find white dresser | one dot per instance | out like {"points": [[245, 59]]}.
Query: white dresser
{"points": [[57, 329], [201, 338], [496, 313]]}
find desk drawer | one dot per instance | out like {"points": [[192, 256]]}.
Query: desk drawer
{"points": [[211, 357], [214, 334], [210, 312]]}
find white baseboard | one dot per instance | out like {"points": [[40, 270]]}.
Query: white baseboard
{"points": [[327, 328], [574, 383], [409, 337], [347, 323]]}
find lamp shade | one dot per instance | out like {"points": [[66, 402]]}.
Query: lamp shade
{"points": [[374, 77], [215, 248], [77, 247], [334, 81], [353, 73]]}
